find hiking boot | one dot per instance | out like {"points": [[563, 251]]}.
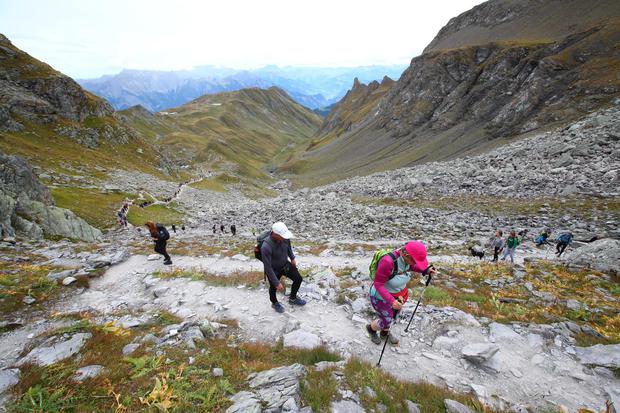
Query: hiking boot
{"points": [[297, 301], [278, 307], [168, 262], [374, 337], [391, 337]]}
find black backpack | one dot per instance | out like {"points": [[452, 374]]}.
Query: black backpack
{"points": [[259, 244]]}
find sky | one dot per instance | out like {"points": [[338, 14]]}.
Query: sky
{"points": [[89, 38]]}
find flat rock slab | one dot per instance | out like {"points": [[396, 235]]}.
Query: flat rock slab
{"points": [[301, 339], [600, 355], [87, 372], [8, 379], [47, 355], [346, 406], [245, 402]]}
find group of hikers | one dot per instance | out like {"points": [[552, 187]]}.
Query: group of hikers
{"points": [[233, 229], [391, 271], [508, 245]]}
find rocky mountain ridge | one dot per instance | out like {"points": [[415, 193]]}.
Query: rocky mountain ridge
{"points": [[454, 102]]}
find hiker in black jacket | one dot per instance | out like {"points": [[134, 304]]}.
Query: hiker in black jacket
{"points": [[160, 235], [276, 251]]}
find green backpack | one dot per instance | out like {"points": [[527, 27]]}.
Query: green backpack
{"points": [[375, 263]]}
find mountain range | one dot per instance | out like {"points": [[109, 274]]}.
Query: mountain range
{"points": [[313, 87]]}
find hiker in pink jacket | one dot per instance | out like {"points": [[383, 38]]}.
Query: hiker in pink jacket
{"points": [[389, 290]]}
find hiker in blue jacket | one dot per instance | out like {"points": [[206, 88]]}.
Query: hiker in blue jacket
{"points": [[563, 241]]}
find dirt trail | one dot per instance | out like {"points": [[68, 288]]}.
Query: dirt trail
{"points": [[524, 370]]}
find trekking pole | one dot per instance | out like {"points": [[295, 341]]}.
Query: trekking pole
{"points": [[428, 281], [387, 337]]}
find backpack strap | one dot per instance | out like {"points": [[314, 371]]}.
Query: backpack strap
{"points": [[394, 265]]}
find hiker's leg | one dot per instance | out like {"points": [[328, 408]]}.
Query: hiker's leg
{"points": [[293, 274], [512, 255], [562, 248], [506, 254], [385, 312], [557, 248], [272, 292], [496, 254], [164, 252]]}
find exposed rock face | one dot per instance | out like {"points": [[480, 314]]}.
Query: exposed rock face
{"points": [[451, 102], [600, 355], [519, 20], [32, 90], [26, 206]]}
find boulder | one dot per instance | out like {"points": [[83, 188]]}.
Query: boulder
{"points": [[301, 339], [502, 332], [453, 406], [359, 305], [601, 255], [412, 407], [600, 355], [278, 388], [217, 372], [87, 372], [479, 352], [69, 280], [59, 350], [56, 221]]}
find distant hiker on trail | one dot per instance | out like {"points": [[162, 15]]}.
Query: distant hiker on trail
{"points": [[563, 241], [391, 271], [512, 242], [222, 228], [214, 229], [182, 227], [174, 228], [275, 253], [498, 244], [233, 229], [543, 237], [122, 215], [160, 235]]}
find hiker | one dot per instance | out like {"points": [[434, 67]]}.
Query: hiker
{"points": [[222, 228], [542, 238], [160, 235], [174, 228], [563, 241], [498, 244], [276, 251], [214, 229], [511, 245], [389, 291], [182, 227], [233, 229]]}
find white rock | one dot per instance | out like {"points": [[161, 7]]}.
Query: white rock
{"points": [[46, 355], [8, 379], [301, 339], [87, 372], [479, 352], [217, 372], [153, 257], [130, 348]]}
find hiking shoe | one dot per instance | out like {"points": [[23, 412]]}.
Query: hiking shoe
{"points": [[391, 337], [374, 337], [278, 307], [297, 301], [169, 262]]}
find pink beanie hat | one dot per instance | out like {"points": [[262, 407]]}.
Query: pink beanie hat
{"points": [[417, 250]]}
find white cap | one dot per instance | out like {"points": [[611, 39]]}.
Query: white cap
{"points": [[281, 229]]}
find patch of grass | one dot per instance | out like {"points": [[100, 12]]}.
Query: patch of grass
{"points": [[209, 185], [319, 389], [158, 213], [165, 318], [95, 207], [247, 278], [18, 280], [392, 392]]}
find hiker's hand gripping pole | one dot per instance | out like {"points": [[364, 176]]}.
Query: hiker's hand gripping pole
{"points": [[430, 270]]}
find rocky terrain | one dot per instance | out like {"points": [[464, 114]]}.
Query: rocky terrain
{"points": [[541, 334]]}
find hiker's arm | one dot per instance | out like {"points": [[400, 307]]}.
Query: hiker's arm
{"points": [[384, 270], [291, 255], [266, 256]]}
